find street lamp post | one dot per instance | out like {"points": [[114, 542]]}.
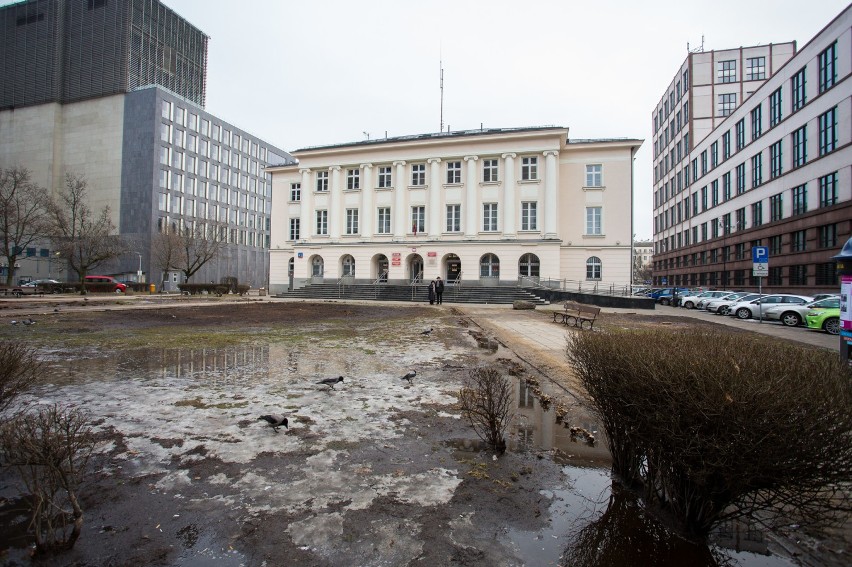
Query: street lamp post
{"points": [[724, 256], [139, 272]]}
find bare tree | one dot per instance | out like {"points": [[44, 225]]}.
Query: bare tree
{"points": [[19, 370], [23, 215], [165, 248], [486, 403], [50, 449], [642, 272], [82, 236], [198, 244]]}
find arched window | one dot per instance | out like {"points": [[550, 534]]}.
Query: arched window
{"points": [[489, 266], [317, 267], [529, 266], [593, 268], [348, 266]]}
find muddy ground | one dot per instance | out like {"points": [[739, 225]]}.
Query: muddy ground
{"points": [[374, 472]]}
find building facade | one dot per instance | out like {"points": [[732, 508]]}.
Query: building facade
{"points": [[483, 207], [771, 169], [155, 157]]}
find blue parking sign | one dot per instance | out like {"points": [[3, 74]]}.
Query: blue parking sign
{"points": [[760, 254]]}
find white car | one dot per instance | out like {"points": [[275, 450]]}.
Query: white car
{"points": [[794, 315], [720, 305], [747, 309], [691, 301]]}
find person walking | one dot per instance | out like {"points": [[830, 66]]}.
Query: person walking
{"points": [[432, 292], [439, 290]]}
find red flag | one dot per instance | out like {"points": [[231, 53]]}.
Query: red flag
{"points": [[414, 229]]}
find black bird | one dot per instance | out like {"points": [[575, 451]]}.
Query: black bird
{"points": [[275, 421], [330, 382], [28, 322], [427, 332], [410, 376]]}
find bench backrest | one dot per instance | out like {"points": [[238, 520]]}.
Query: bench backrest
{"points": [[579, 308]]}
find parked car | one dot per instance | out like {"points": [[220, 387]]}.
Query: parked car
{"points": [[665, 296], [36, 283], [691, 301], [702, 303], [720, 305], [825, 318], [794, 315], [101, 280], [747, 309]]}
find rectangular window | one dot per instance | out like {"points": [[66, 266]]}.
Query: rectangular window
{"points": [[385, 177], [489, 217], [827, 236], [756, 170], [418, 174], [775, 276], [294, 228], [776, 167], [322, 181], [704, 198], [800, 199], [529, 169], [704, 231], [353, 179], [351, 221], [798, 275], [594, 175], [757, 213], [740, 128], [827, 67], [593, 221], [756, 122], [826, 274], [322, 222], [727, 71], [776, 207], [453, 218], [756, 68], [727, 103], [529, 215], [418, 219], [726, 186], [775, 245], [384, 224], [295, 191], [828, 190], [714, 154], [489, 171], [800, 146], [827, 131], [714, 191], [741, 184], [703, 162], [797, 90], [775, 111], [453, 172]]}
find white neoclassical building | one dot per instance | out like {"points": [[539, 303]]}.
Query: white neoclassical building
{"points": [[481, 207]]}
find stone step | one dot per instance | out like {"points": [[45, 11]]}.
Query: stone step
{"points": [[388, 292]]}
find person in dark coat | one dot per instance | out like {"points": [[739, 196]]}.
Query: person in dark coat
{"points": [[432, 292], [439, 290]]}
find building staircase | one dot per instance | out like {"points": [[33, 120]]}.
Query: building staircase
{"points": [[417, 293]]}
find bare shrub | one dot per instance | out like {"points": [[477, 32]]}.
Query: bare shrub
{"points": [[50, 449], [716, 426], [19, 369], [486, 403]]}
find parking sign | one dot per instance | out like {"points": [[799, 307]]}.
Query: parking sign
{"points": [[760, 261]]}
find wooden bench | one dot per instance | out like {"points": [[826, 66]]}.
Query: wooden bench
{"points": [[576, 314]]}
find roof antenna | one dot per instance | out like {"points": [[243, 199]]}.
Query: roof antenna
{"points": [[366, 134], [441, 65]]}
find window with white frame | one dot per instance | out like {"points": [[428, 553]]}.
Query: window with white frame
{"points": [[489, 217], [294, 228], [418, 174], [756, 69], [489, 171], [322, 222], [453, 218], [727, 103], [529, 168], [593, 268], [593, 221], [529, 215], [594, 175], [385, 176], [489, 266], [418, 219], [322, 181], [353, 179], [351, 221], [384, 221], [727, 71], [453, 172]]}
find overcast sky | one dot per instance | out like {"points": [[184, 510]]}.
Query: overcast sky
{"points": [[319, 72]]}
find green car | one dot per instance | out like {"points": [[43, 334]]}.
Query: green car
{"points": [[825, 318]]}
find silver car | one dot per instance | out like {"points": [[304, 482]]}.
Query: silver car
{"points": [[794, 315], [692, 301], [720, 306], [747, 309]]}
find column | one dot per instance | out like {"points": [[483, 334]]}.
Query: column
{"points": [[510, 216], [307, 210], [400, 223], [471, 226], [365, 219], [551, 199], [433, 214], [334, 213]]}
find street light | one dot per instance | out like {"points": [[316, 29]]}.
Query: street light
{"points": [[724, 255], [139, 273]]}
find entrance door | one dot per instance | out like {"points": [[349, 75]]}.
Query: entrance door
{"points": [[382, 266], [415, 268], [453, 268]]}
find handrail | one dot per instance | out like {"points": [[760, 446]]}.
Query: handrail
{"points": [[418, 278], [382, 276], [594, 287], [341, 286], [457, 284]]}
